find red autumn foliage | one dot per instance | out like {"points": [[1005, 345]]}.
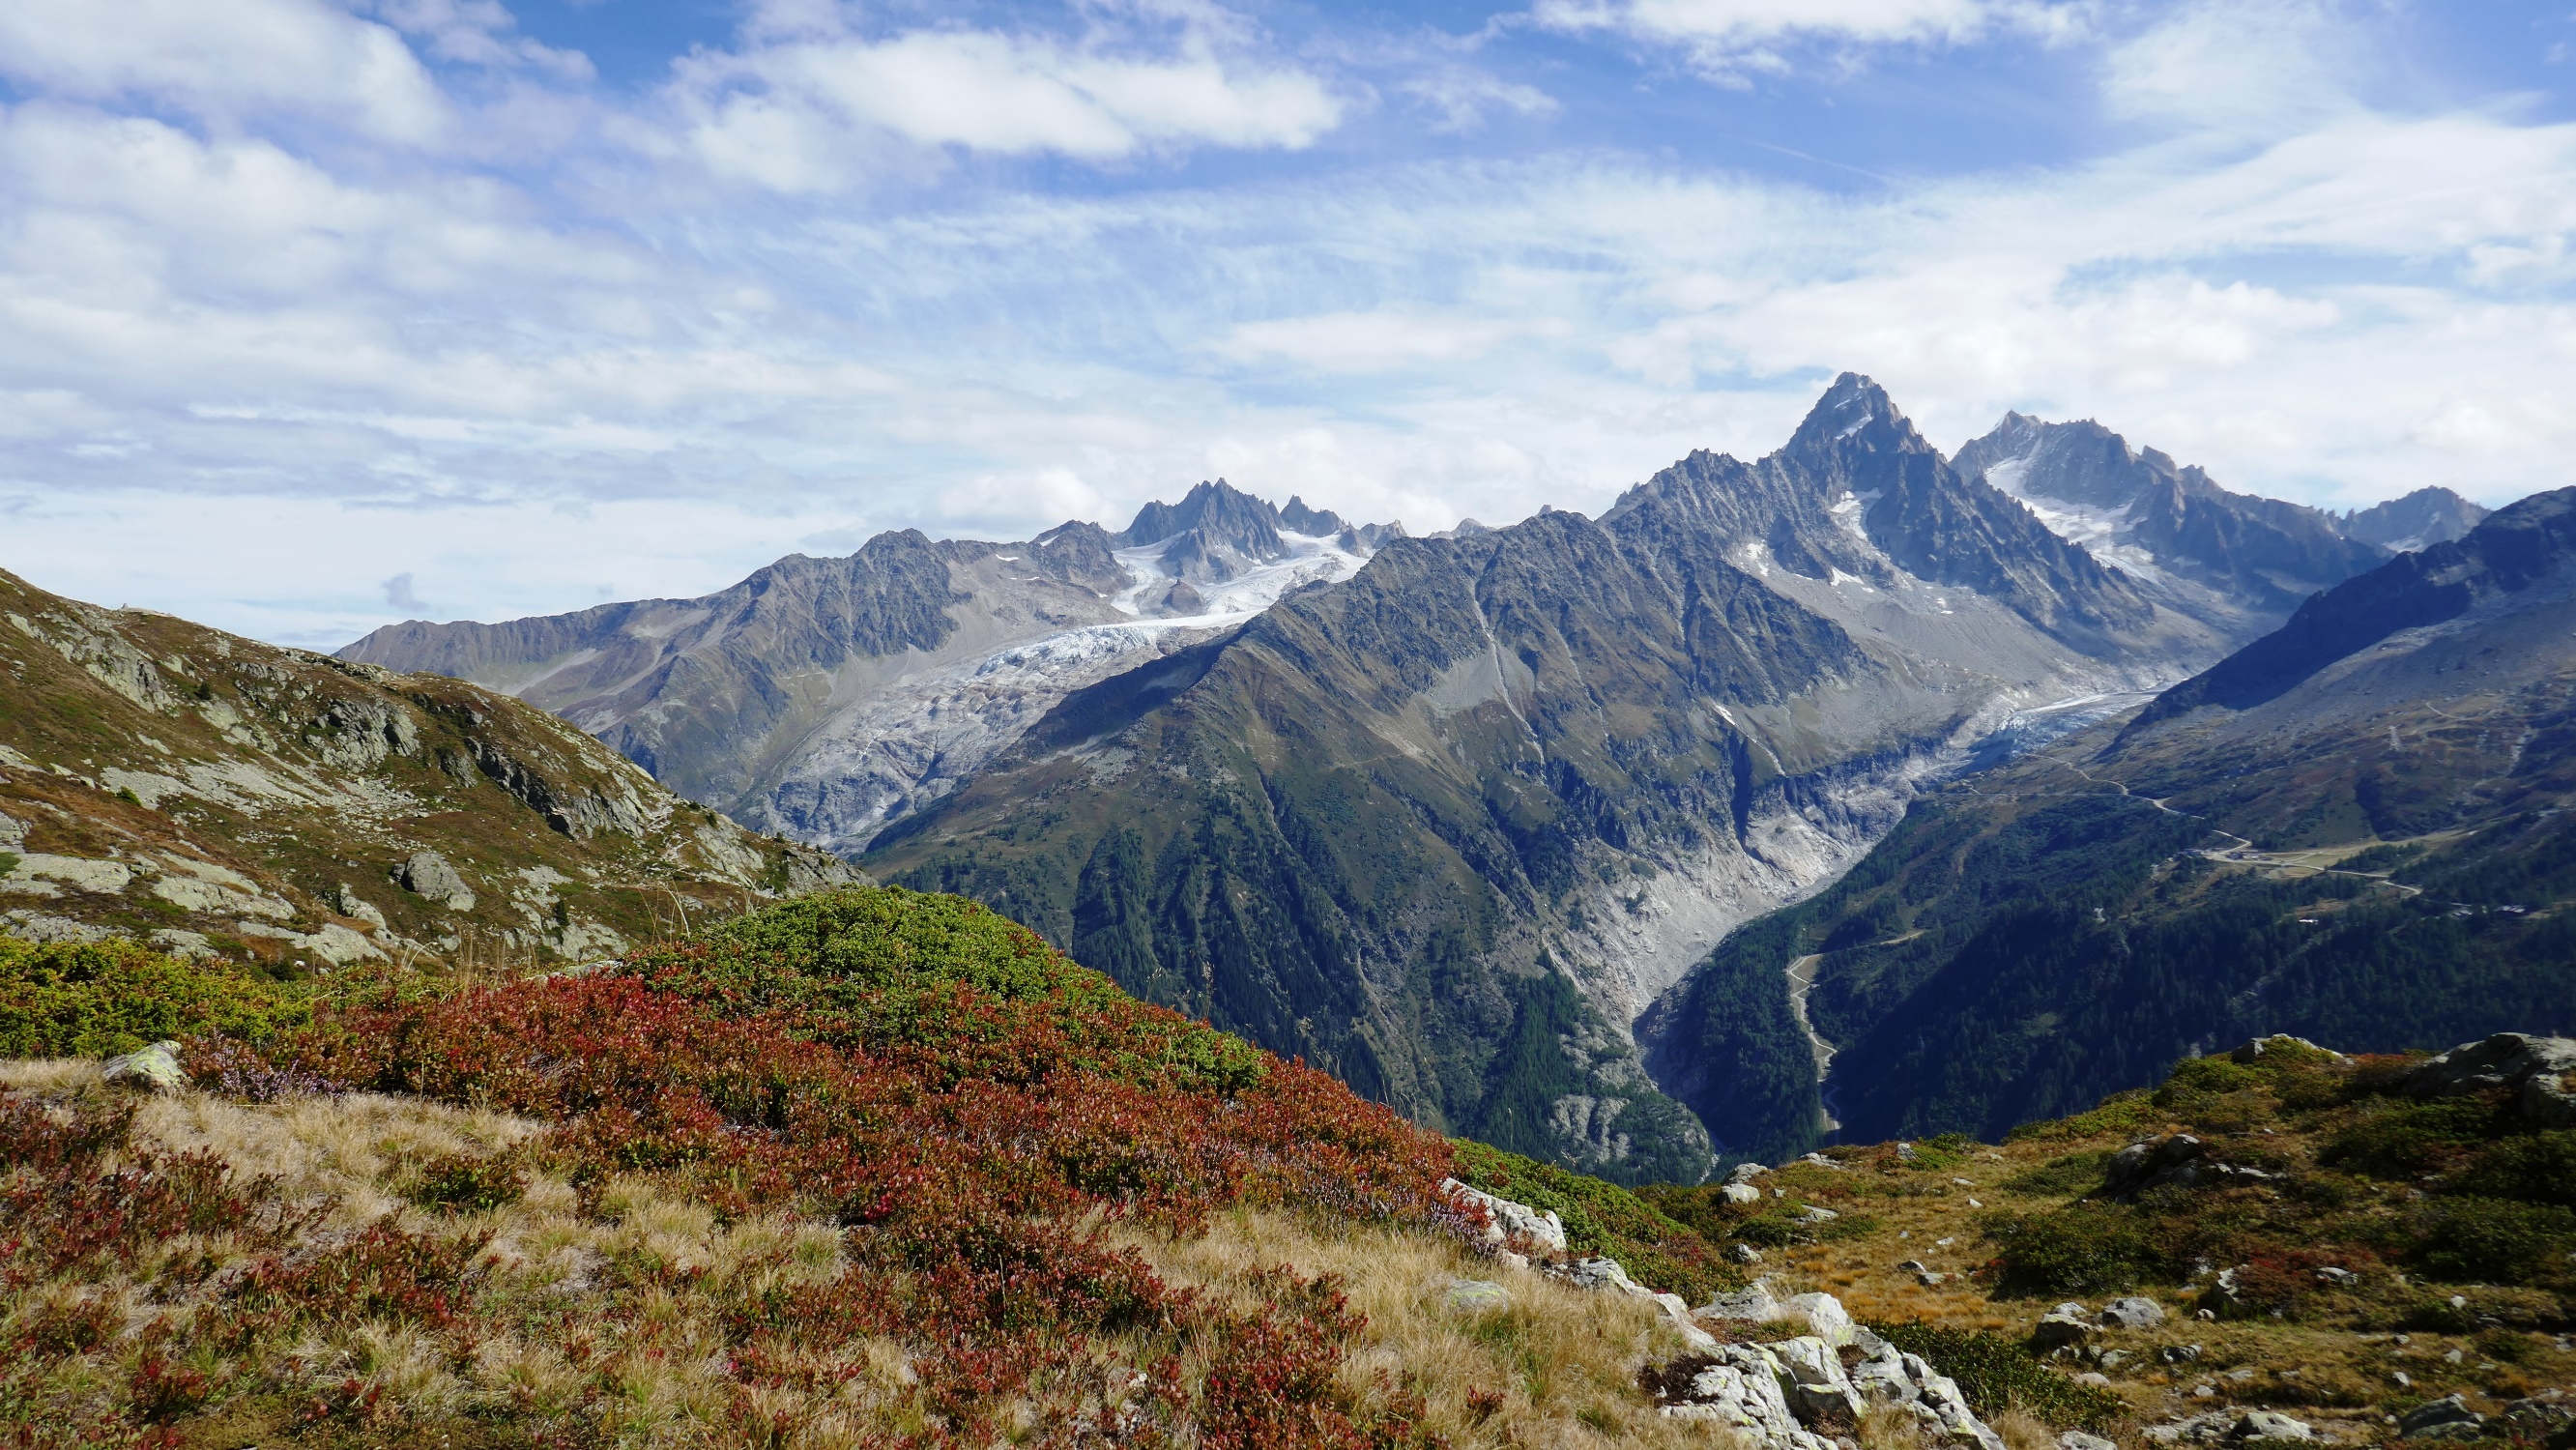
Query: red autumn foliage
{"points": [[972, 1110]]}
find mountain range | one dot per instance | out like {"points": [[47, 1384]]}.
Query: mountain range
{"points": [[1454, 817]]}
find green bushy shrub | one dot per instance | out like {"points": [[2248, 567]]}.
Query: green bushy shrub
{"points": [[87, 999], [2492, 1240], [2083, 1248], [2537, 1168], [2406, 1140]]}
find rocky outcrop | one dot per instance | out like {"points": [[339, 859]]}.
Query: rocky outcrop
{"points": [[427, 873], [2538, 1072], [218, 804], [1799, 1394]]}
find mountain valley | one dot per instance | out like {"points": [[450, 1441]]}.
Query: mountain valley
{"points": [[1461, 818]]}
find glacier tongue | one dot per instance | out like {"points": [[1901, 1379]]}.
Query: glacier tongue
{"points": [[886, 756]]}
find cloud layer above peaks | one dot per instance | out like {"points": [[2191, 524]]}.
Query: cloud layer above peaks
{"points": [[522, 306]]}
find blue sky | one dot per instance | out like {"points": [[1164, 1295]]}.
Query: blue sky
{"points": [[314, 316]]}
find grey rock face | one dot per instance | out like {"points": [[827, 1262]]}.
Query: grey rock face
{"points": [[427, 873], [2534, 1069], [2168, 528]]}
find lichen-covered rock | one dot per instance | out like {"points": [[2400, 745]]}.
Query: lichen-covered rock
{"points": [[2448, 1418], [2068, 1326], [1817, 1385], [153, 1069], [1507, 1220], [1739, 1386], [1754, 1304], [1475, 1296], [1826, 1316], [2270, 1425]]}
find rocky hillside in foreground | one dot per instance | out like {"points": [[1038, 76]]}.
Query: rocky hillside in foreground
{"points": [[834, 1175], [2355, 829], [1449, 827], [825, 698], [216, 795]]}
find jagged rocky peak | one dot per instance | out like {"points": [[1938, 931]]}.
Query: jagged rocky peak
{"points": [[2170, 527], [1213, 534], [2419, 520], [1217, 532], [1856, 410]]}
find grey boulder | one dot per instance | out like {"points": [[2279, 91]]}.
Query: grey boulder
{"points": [[427, 873], [2270, 1425], [2534, 1069], [2133, 1313], [154, 1069], [2448, 1418]]}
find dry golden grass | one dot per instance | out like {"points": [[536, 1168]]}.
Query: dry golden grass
{"points": [[1564, 1360]]}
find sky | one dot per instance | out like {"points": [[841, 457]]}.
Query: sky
{"points": [[317, 316]]}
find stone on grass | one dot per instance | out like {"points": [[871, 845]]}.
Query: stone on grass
{"points": [[2133, 1313], [2270, 1425], [154, 1069], [2065, 1327], [1475, 1296], [2448, 1418], [1508, 1220], [2078, 1440], [1740, 1193]]}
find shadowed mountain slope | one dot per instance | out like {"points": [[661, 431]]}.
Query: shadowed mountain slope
{"points": [[2354, 829]]}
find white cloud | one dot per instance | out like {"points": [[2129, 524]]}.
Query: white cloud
{"points": [[1734, 35], [794, 114], [1462, 97], [1360, 342], [224, 61], [278, 378]]}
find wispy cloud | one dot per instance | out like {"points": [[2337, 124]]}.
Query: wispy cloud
{"points": [[530, 336]]}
